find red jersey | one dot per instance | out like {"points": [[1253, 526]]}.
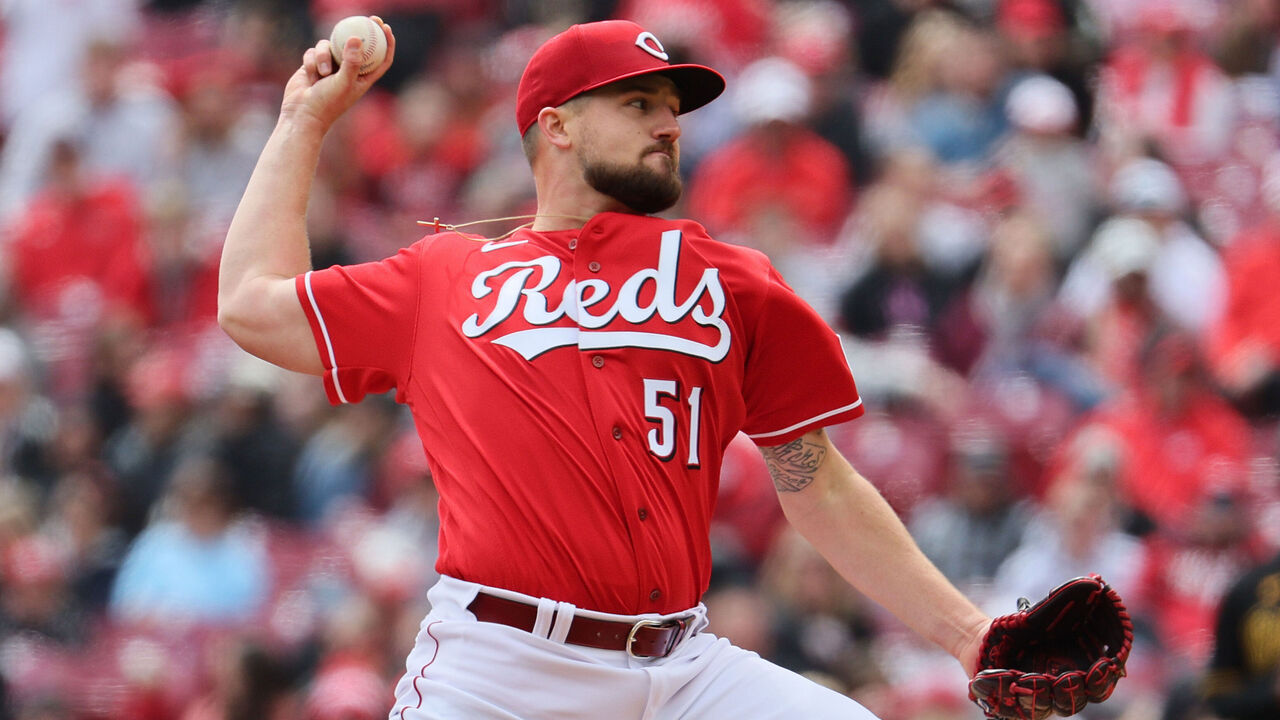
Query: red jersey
{"points": [[575, 392]]}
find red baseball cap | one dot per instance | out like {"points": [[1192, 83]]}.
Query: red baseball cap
{"points": [[592, 55]]}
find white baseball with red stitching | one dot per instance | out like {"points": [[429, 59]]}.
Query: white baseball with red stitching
{"points": [[373, 48]]}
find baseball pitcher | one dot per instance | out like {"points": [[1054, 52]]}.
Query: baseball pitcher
{"points": [[575, 384]]}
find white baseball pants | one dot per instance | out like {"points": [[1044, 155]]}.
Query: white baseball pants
{"points": [[461, 669]]}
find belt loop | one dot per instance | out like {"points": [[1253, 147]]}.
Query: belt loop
{"points": [[546, 614], [564, 620]]}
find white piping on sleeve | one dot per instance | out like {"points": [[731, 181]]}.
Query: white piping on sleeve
{"points": [[802, 423], [324, 332]]}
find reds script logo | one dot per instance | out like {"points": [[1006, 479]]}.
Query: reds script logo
{"points": [[524, 284]]}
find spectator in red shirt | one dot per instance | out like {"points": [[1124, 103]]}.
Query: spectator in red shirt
{"points": [[1244, 346], [80, 227], [79, 261], [1177, 436], [778, 182]]}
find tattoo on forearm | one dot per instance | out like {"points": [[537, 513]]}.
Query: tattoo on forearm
{"points": [[794, 465]]}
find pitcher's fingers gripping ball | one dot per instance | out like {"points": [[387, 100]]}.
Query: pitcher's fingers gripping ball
{"points": [[1056, 656], [373, 42]]}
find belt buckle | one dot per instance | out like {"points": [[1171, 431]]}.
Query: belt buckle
{"points": [[681, 622]]}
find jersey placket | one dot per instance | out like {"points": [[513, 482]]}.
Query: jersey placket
{"points": [[599, 368]]}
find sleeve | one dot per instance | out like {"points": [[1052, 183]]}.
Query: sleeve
{"points": [[364, 319], [797, 378]]}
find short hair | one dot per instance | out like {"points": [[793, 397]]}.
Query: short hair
{"points": [[529, 141]]}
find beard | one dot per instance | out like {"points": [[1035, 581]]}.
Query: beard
{"points": [[638, 186]]}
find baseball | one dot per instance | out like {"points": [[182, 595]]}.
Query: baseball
{"points": [[373, 42]]}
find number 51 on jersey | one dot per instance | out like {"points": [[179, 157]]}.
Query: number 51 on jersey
{"points": [[662, 439]]}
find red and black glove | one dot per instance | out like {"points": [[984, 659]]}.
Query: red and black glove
{"points": [[1056, 656]]}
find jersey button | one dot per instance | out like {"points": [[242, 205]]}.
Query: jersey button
{"points": [[642, 513], [573, 244], [593, 266], [597, 360], [654, 594], [617, 433]]}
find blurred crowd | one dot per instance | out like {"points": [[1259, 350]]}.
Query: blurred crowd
{"points": [[1048, 232]]}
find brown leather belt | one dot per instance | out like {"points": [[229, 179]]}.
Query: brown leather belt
{"points": [[646, 638]]}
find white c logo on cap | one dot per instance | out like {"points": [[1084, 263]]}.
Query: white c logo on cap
{"points": [[656, 49]]}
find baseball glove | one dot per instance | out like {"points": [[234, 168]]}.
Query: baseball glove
{"points": [[1056, 656]]}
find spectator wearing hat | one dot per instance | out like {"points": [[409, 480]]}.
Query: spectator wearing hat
{"points": [[815, 36], [1122, 252], [1185, 276], [1039, 38], [1053, 169], [1034, 29], [779, 184]]}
